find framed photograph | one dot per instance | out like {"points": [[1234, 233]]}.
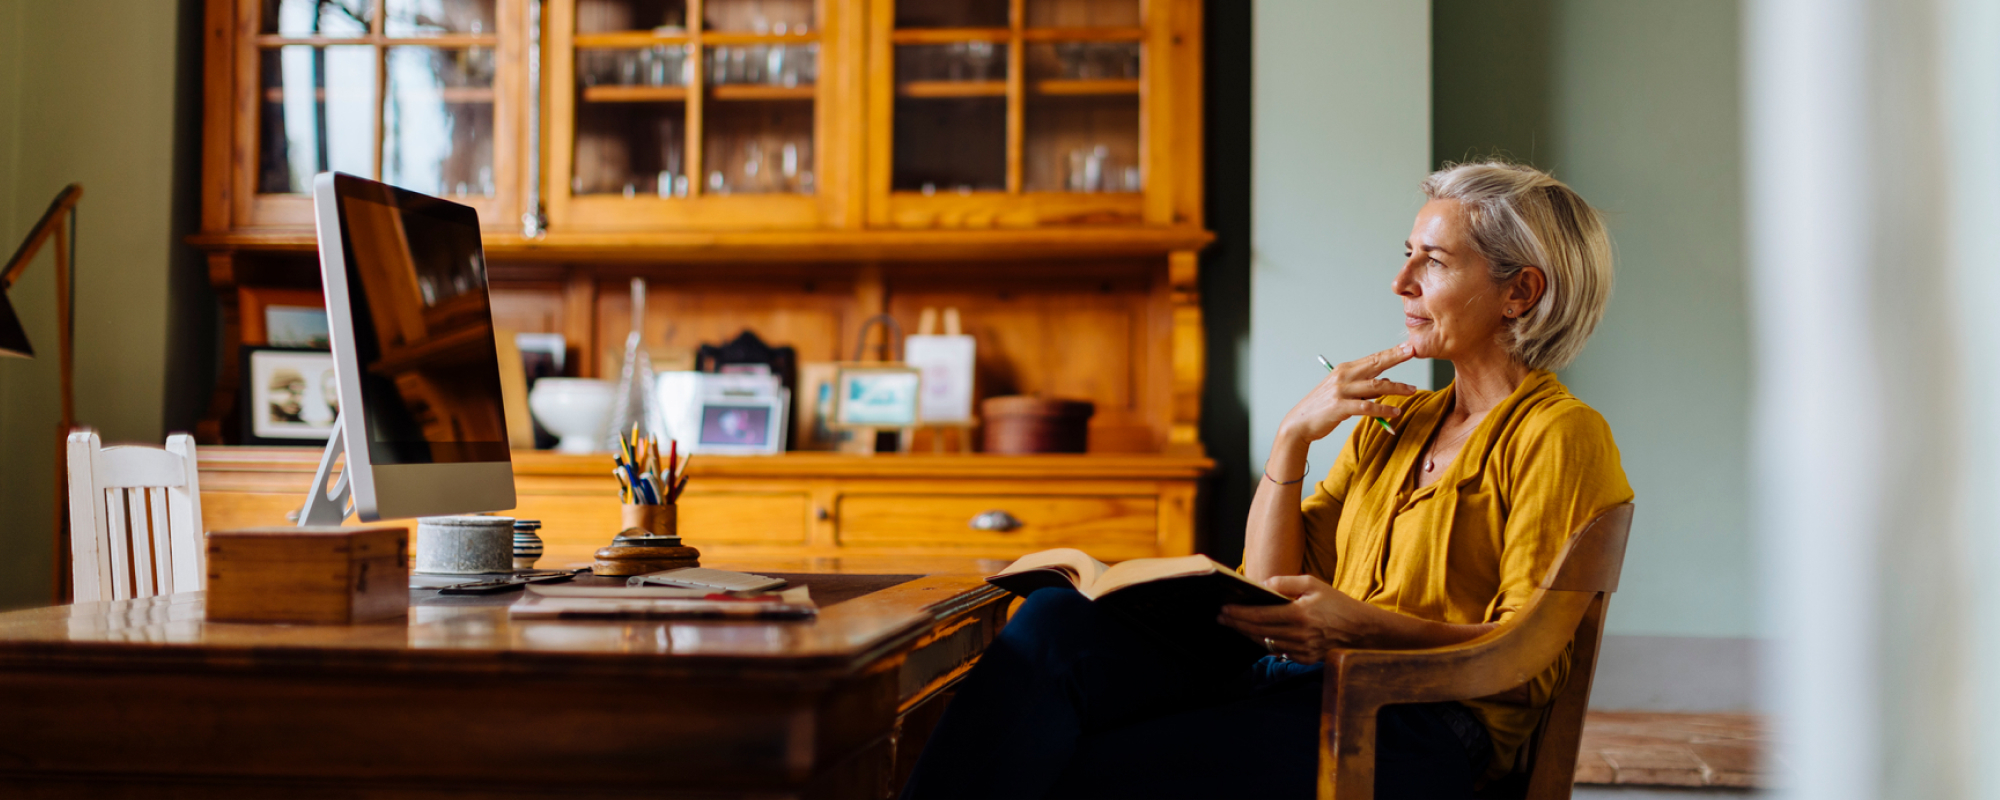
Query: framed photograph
{"points": [[742, 425], [870, 396], [289, 396], [296, 326], [282, 317]]}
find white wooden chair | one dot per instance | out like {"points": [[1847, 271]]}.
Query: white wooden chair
{"points": [[135, 519]]}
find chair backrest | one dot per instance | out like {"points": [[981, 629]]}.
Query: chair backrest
{"points": [[135, 518], [1591, 562], [1567, 609]]}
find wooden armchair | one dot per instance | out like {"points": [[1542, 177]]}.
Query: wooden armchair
{"points": [[1569, 605]]}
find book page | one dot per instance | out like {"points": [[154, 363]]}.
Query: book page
{"points": [[1143, 570], [1078, 566]]}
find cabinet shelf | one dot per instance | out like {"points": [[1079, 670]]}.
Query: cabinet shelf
{"points": [[747, 91], [956, 35], [1083, 88], [630, 39], [940, 89], [634, 94], [949, 35]]}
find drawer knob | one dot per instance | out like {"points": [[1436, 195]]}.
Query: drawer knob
{"points": [[999, 521]]}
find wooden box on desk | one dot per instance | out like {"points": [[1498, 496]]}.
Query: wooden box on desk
{"points": [[326, 574]]}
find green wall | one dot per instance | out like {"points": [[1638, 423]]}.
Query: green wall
{"points": [[1340, 134], [1636, 106], [88, 92]]}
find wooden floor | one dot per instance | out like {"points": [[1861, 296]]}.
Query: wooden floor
{"points": [[1640, 748]]}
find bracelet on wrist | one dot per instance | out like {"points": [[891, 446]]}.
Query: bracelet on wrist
{"points": [[1267, 476]]}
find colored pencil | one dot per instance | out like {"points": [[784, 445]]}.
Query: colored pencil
{"points": [[1378, 420]]}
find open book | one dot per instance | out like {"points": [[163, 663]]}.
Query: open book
{"points": [[1175, 599]]}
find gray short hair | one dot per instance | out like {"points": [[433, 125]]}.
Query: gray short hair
{"points": [[1521, 217]]}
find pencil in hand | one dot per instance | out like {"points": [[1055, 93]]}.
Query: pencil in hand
{"points": [[1378, 420]]}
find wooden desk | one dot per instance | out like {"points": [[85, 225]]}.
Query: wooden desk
{"points": [[145, 699]]}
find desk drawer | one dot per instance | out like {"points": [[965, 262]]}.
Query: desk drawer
{"points": [[1110, 527]]}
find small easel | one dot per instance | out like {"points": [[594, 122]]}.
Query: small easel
{"points": [[959, 432]]}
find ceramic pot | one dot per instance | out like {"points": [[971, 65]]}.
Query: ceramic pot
{"points": [[467, 545], [574, 409], [527, 543]]}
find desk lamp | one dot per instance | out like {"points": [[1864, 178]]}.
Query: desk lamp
{"points": [[14, 340]]}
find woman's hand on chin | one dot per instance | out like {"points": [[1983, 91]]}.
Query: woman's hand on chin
{"points": [[1319, 618], [1350, 390]]}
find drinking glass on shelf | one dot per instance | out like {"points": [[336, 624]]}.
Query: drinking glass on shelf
{"points": [[754, 176], [980, 58], [628, 68], [1086, 168]]}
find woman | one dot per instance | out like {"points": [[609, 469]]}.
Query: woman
{"points": [[1428, 536]]}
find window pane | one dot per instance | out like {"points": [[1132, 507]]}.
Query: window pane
{"points": [[951, 13], [318, 114], [611, 16], [662, 65], [1085, 61], [437, 125], [958, 61], [764, 64], [950, 144], [431, 17], [1082, 13], [317, 17], [759, 16], [1082, 144], [630, 148], [759, 148]]}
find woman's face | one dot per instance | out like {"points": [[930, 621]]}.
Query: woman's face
{"points": [[1451, 305]]}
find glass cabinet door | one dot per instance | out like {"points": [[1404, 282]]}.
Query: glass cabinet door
{"points": [[1013, 112], [686, 114], [404, 91]]}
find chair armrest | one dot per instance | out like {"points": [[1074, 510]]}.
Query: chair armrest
{"points": [[1360, 682], [1494, 662]]}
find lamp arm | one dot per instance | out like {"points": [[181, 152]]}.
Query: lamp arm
{"points": [[44, 228]]}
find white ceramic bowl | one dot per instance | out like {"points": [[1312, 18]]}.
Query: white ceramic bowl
{"points": [[575, 409]]}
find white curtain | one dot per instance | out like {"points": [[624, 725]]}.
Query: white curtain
{"points": [[1876, 312]]}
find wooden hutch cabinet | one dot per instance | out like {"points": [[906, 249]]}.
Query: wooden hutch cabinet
{"points": [[788, 167]]}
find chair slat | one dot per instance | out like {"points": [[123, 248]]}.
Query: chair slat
{"points": [[162, 544], [121, 544], [139, 503]]}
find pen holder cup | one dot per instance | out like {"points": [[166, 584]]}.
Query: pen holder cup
{"points": [[656, 520]]}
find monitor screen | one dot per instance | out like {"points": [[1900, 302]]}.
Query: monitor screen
{"points": [[423, 327]]}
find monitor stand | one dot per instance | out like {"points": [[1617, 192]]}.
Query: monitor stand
{"points": [[323, 507]]}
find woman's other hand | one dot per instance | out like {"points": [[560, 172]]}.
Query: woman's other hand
{"points": [[1348, 391], [1319, 618]]}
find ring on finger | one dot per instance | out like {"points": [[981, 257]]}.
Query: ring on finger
{"points": [[1270, 645]]}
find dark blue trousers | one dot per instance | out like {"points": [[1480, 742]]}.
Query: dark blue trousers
{"points": [[1070, 701]]}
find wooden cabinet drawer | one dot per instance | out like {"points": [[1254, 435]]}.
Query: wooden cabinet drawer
{"points": [[1109, 527]]}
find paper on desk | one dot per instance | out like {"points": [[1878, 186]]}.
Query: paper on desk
{"points": [[657, 602]]}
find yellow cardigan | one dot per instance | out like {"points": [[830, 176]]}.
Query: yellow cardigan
{"points": [[1471, 547]]}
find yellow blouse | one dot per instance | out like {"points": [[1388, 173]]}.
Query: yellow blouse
{"points": [[1471, 547]]}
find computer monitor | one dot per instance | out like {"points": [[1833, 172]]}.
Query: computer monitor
{"points": [[421, 416]]}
